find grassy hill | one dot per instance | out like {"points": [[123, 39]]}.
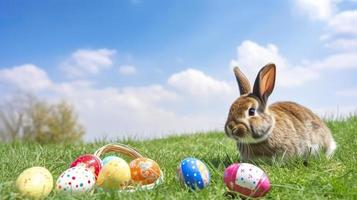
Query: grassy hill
{"points": [[321, 179]]}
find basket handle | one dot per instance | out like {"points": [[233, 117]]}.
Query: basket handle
{"points": [[118, 148]]}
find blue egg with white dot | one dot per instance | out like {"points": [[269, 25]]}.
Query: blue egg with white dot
{"points": [[193, 173]]}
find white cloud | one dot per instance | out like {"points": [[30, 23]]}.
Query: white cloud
{"points": [[131, 111], [340, 31], [25, 77], [85, 61], [152, 93], [317, 9], [344, 23], [342, 44], [197, 83], [117, 111], [338, 61], [252, 57], [127, 70], [141, 112]]}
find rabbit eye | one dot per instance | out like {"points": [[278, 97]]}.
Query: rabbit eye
{"points": [[251, 111]]}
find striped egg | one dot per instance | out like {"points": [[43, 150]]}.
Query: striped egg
{"points": [[193, 173], [246, 179]]}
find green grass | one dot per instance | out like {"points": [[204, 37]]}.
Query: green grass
{"points": [[321, 179]]}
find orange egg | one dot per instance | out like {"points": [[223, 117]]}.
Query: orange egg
{"points": [[144, 171]]}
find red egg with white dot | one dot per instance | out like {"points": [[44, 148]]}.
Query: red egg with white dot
{"points": [[246, 179], [76, 180], [89, 161]]}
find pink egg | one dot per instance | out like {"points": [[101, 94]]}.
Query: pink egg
{"points": [[246, 179]]}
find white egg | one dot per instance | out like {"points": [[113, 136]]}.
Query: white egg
{"points": [[76, 179]]}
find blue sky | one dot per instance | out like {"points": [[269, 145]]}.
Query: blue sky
{"points": [[173, 59]]}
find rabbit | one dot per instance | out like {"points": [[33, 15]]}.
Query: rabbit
{"points": [[283, 128]]}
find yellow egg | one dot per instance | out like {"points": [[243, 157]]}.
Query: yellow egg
{"points": [[35, 182], [114, 175]]}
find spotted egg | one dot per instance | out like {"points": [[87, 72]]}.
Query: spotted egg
{"points": [[193, 173], [247, 179], [76, 179], [144, 171]]}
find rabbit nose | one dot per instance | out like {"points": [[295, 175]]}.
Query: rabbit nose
{"points": [[239, 130]]}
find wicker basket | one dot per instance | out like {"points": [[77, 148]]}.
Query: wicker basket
{"points": [[133, 154]]}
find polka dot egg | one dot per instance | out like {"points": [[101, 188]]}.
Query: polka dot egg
{"points": [[76, 179], [246, 179], [144, 171], [193, 173]]}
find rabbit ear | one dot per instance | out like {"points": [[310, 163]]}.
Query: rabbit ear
{"points": [[243, 83], [264, 83]]}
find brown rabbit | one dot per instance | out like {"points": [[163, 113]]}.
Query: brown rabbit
{"points": [[284, 128]]}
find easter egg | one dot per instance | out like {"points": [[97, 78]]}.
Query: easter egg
{"points": [[77, 179], [35, 182], [193, 173], [144, 171], [90, 161], [246, 179], [108, 158], [114, 175]]}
